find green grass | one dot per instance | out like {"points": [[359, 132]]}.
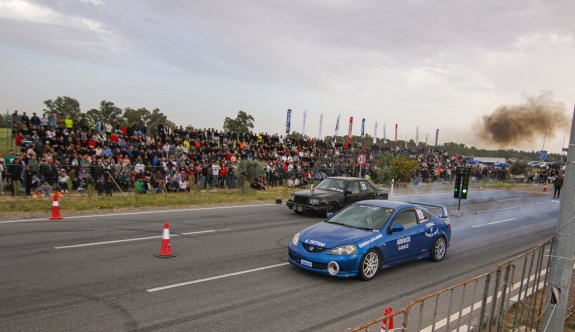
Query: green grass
{"points": [[30, 206], [5, 142]]}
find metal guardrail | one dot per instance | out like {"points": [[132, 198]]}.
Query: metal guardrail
{"points": [[510, 297]]}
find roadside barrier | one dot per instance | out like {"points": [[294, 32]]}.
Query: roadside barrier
{"points": [[166, 248], [510, 297], [55, 208]]}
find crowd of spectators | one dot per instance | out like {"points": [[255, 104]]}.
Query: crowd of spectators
{"points": [[54, 153]]}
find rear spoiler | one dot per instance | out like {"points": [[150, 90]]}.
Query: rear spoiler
{"points": [[443, 209]]}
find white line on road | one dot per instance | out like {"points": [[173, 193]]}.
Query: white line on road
{"points": [[136, 239], [510, 199], [140, 212], [493, 222], [513, 207], [151, 290], [439, 194]]}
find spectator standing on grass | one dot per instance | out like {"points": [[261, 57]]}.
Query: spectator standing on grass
{"points": [[15, 175], [558, 183]]}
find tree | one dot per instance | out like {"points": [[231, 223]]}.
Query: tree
{"points": [[64, 107], [403, 168], [519, 167], [136, 116], [247, 171], [108, 112], [243, 123]]}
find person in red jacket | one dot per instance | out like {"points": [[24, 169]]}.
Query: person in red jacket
{"points": [[223, 174]]}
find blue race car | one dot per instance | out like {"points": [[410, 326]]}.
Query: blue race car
{"points": [[370, 235]]}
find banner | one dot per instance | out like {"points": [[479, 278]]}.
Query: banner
{"points": [[288, 121], [375, 134], [350, 127], [436, 135], [320, 124], [337, 126], [395, 141], [417, 136], [384, 134], [303, 126], [362, 129], [426, 135]]}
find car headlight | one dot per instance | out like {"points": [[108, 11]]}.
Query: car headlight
{"points": [[348, 249], [295, 239], [314, 201]]}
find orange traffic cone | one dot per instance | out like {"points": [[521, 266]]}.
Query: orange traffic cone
{"points": [[166, 248], [55, 208], [389, 320], [545, 187]]}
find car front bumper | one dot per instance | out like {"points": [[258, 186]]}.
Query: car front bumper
{"points": [[317, 262], [306, 208]]}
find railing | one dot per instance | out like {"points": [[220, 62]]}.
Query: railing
{"points": [[511, 297]]}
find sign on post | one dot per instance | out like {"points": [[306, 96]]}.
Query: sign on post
{"points": [[361, 159]]}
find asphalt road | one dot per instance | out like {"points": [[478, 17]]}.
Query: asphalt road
{"points": [[100, 273]]}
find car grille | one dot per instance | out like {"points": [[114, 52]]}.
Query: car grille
{"points": [[311, 248], [301, 199]]}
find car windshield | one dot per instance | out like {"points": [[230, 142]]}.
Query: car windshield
{"points": [[331, 184], [362, 216]]}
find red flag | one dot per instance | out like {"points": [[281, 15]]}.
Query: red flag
{"points": [[350, 127]]}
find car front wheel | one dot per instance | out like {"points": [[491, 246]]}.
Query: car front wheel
{"points": [[369, 265], [331, 208], [438, 249]]}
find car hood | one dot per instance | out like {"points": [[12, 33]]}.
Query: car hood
{"points": [[328, 235], [318, 193]]}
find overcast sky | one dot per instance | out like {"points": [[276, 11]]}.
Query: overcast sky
{"points": [[431, 64]]}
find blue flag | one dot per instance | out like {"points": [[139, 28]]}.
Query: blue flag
{"points": [[288, 121]]}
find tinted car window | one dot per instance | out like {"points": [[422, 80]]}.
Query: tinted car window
{"points": [[406, 219], [353, 187], [364, 187]]}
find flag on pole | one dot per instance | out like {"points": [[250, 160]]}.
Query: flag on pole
{"points": [[426, 136], [303, 126], [436, 135], [375, 134], [362, 129], [416, 136], [395, 141], [350, 127], [288, 121], [337, 126], [384, 134], [320, 124]]}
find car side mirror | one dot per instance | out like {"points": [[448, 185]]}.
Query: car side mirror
{"points": [[397, 228], [329, 215], [347, 192]]}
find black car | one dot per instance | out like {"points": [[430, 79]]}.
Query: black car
{"points": [[334, 193]]}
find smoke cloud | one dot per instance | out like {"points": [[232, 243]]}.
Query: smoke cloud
{"points": [[539, 116]]}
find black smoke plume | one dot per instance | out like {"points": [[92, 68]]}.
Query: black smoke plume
{"points": [[539, 116]]}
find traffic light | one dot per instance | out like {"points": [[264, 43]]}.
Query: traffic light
{"points": [[465, 183], [457, 184], [461, 182]]}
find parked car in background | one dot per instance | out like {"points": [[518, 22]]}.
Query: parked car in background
{"points": [[334, 193]]}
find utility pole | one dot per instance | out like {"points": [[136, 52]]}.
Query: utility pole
{"points": [[561, 265]]}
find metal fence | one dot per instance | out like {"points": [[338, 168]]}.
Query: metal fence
{"points": [[510, 297]]}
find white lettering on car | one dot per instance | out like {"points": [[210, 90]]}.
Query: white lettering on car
{"points": [[314, 243], [403, 240], [366, 242], [403, 246], [431, 229]]}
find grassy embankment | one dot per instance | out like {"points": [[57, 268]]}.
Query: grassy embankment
{"points": [[74, 202]]}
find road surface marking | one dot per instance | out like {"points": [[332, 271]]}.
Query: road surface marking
{"points": [[151, 290], [141, 212], [439, 194], [493, 222], [513, 207], [136, 239], [510, 199]]}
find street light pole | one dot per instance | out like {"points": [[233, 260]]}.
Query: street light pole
{"points": [[561, 265]]}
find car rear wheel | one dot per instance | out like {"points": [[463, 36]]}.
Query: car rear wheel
{"points": [[438, 249], [369, 265], [332, 207]]}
